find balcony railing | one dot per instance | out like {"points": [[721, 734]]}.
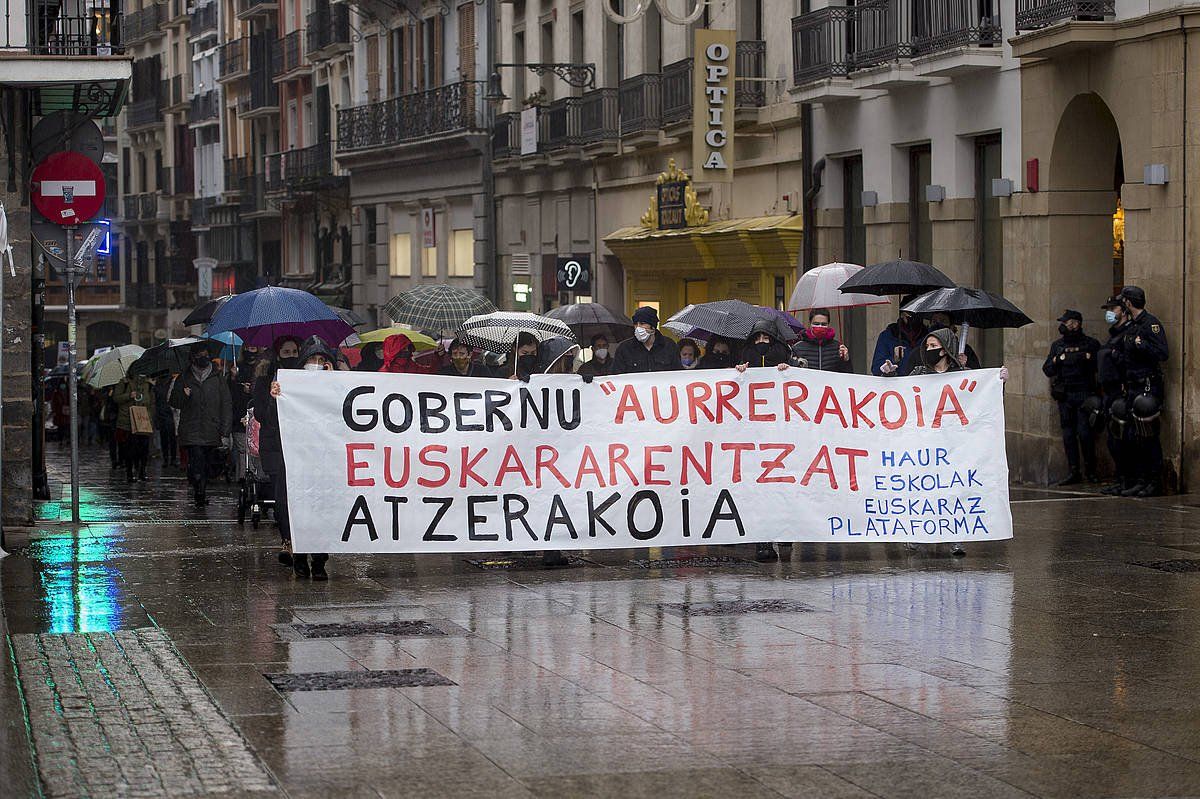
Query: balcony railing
{"points": [[289, 54], [1034, 14], [204, 106], [410, 117], [506, 136], [263, 95], [883, 32], [941, 25], [235, 169], [63, 30], [558, 125], [599, 116], [129, 206], [819, 48], [148, 205], [273, 166], [204, 19], [641, 104], [751, 63], [202, 211], [677, 92], [140, 25], [143, 113], [328, 27], [235, 57]]}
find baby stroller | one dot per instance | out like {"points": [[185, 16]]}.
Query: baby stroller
{"points": [[255, 498]]}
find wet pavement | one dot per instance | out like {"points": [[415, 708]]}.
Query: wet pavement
{"points": [[162, 651]]}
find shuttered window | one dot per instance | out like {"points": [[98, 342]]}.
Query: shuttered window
{"points": [[466, 41], [372, 68]]}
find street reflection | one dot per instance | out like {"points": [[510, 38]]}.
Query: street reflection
{"points": [[79, 588]]}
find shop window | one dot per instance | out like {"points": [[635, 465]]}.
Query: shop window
{"points": [[462, 253], [400, 255], [920, 227]]}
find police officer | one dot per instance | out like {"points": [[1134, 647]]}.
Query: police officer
{"points": [[1110, 371], [1144, 349], [1071, 367]]}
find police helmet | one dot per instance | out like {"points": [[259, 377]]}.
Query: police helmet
{"points": [[1146, 407], [1119, 410]]}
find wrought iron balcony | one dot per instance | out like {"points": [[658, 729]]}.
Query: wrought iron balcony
{"points": [[941, 25], [72, 29], [235, 169], [141, 25], [882, 32], [148, 205], [204, 20], [205, 107], [306, 169], [262, 98], [329, 28], [599, 116], [751, 56], [235, 57], [641, 104], [1034, 14], [289, 54], [677, 92], [819, 45], [453, 108], [145, 113], [273, 165], [129, 207], [558, 125], [506, 136]]}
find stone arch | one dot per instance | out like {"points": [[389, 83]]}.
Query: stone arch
{"points": [[106, 333]]}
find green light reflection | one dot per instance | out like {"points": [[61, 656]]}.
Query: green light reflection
{"points": [[79, 588]]}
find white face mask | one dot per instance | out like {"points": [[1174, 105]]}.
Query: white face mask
{"points": [[600, 353], [1110, 316], [313, 367], [642, 334]]}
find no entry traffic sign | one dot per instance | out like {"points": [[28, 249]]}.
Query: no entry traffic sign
{"points": [[67, 188]]}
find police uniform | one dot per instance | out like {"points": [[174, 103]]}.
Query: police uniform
{"points": [[1110, 372], [1143, 351], [1071, 367]]}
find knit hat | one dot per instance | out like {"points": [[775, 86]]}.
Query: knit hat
{"points": [[646, 315]]}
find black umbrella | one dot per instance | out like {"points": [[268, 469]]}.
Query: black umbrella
{"points": [[349, 316], [172, 356], [897, 277], [976, 307], [203, 313], [731, 319], [587, 319]]}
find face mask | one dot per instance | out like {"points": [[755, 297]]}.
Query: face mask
{"points": [[720, 355], [687, 360], [762, 347], [642, 334], [820, 332], [200, 361], [601, 353], [1063, 330], [1110, 316], [313, 367], [933, 356], [291, 362], [526, 364]]}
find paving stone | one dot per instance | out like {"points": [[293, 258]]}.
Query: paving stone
{"points": [[342, 680], [735, 607]]}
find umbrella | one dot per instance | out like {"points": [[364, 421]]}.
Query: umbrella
{"points": [[975, 307], [171, 356], [111, 366], [554, 350], [350, 317], [818, 288], [897, 277], [496, 331], [587, 319], [230, 342], [437, 307], [202, 314], [731, 319], [421, 342], [265, 314]]}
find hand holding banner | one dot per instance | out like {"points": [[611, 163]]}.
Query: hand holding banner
{"points": [[419, 463]]}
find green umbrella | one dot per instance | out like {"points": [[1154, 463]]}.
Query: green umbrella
{"points": [[110, 367]]}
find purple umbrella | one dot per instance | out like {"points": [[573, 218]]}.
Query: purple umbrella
{"points": [[263, 315]]}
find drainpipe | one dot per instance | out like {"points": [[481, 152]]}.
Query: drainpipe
{"points": [[1183, 296], [808, 250], [491, 277]]}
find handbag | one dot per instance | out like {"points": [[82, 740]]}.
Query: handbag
{"points": [[139, 420]]}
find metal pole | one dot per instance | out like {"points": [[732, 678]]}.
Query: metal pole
{"points": [[72, 276]]}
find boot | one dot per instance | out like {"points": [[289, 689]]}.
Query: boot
{"points": [[300, 565], [318, 567], [1074, 478], [1151, 489], [1135, 490], [554, 559], [958, 551], [285, 554], [765, 553]]}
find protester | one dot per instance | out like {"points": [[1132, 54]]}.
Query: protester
{"points": [[940, 320], [164, 420], [270, 449], [1110, 371], [600, 364], [526, 354], [461, 362], [317, 356], [1144, 349], [134, 391], [1071, 367], [689, 353], [557, 356], [648, 350], [108, 418], [372, 358], [719, 354], [60, 411], [398, 358], [896, 341], [202, 397], [818, 346]]}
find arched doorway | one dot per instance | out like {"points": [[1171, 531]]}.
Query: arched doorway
{"points": [[106, 334], [1085, 214], [53, 332]]}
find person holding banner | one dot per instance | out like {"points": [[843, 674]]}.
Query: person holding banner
{"points": [[648, 350], [896, 341], [719, 354], [689, 353], [398, 356], [600, 365], [286, 352], [461, 364], [818, 346], [135, 405]]}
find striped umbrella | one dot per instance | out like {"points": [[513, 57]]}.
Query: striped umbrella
{"points": [[497, 331], [437, 307], [732, 319]]}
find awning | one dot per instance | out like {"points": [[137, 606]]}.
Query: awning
{"points": [[760, 242]]}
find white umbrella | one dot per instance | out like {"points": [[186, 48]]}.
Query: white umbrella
{"points": [[818, 288], [111, 366]]}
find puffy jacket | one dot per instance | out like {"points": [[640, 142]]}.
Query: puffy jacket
{"points": [[123, 395], [632, 356], [776, 353], [206, 416], [821, 355]]}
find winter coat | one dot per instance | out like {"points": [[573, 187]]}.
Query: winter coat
{"points": [[1071, 365], [206, 416], [632, 356], [777, 352], [821, 355], [163, 413], [950, 345], [597, 368], [270, 448], [239, 396], [913, 358], [123, 395], [885, 346]]}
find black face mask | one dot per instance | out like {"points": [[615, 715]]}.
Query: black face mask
{"points": [[289, 363], [762, 347], [933, 356], [1063, 330], [526, 364], [200, 361]]}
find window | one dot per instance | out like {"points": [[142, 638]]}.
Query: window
{"points": [[651, 41], [548, 56], [920, 228], [372, 46], [429, 258], [466, 41], [519, 93], [462, 253], [397, 68], [400, 255]]}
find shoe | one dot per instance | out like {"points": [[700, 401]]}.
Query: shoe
{"points": [[554, 559], [1134, 490], [300, 565], [1074, 478], [1114, 489], [1151, 490], [765, 553], [318, 567], [285, 558], [958, 551]]}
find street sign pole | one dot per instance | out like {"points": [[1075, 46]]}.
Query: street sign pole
{"points": [[72, 274]]}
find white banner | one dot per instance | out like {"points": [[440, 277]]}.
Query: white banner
{"points": [[415, 463]]}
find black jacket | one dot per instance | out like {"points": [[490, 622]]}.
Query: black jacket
{"points": [[632, 356], [821, 355], [1071, 365], [1110, 362], [205, 417], [270, 448], [1144, 348], [597, 368], [239, 395], [476, 370], [776, 353]]}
